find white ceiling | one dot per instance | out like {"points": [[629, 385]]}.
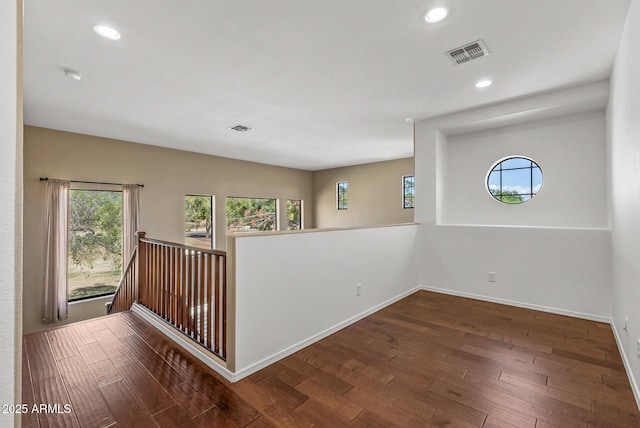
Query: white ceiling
{"points": [[325, 83]]}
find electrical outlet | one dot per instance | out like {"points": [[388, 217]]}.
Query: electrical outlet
{"points": [[358, 289], [492, 277], [626, 325]]}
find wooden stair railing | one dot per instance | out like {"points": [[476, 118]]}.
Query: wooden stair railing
{"points": [[185, 286], [127, 290]]}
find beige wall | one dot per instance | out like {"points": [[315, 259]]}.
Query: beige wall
{"points": [[375, 195], [168, 175]]}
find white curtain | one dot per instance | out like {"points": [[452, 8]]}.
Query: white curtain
{"points": [[130, 218], [55, 291]]}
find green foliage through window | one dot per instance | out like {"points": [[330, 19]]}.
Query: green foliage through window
{"points": [[409, 191], [198, 215], [343, 195], [294, 214], [251, 214], [514, 180], [95, 243]]}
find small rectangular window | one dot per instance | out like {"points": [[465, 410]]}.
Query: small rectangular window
{"points": [[343, 195], [409, 191], [294, 214], [251, 214], [95, 243], [198, 219]]}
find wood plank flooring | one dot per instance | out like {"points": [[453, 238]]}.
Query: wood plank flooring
{"points": [[429, 360]]}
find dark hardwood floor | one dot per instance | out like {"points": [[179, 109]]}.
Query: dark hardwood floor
{"points": [[430, 360]]}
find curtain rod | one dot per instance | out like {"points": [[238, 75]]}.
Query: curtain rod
{"points": [[89, 182]]}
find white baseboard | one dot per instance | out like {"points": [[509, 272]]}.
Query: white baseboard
{"points": [[627, 366], [317, 337], [184, 342], [557, 311]]}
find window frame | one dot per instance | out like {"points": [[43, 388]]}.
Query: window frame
{"points": [[342, 203], [531, 168], [404, 192], [276, 220], [92, 187], [301, 222], [212, 198]]}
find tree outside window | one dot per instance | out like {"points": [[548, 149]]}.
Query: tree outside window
{"points": [[294, 214], [343, 195], [95, 243], [198, 214], [251, 214], [409, 191]]}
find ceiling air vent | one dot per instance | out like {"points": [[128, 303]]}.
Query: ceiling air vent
{"points": [[241, 128], [468, 52]]}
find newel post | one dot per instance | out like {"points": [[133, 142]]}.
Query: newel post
{"points": [[142, 268]]}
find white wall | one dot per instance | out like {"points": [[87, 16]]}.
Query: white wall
{"points": [[624, 155], [292, 289], [559, 264], [10, 207], [571, 153], [558, 270]]}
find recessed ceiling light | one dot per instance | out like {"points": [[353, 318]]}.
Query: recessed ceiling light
{"points": [[436, 14], [72, 74], [484, 83], [107, 32]]}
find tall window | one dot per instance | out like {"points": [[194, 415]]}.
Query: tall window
{"points": [[198, 218], [514, 180], [95, 243], [342, 195], [409, 191], [251, 214], [294, 214]]}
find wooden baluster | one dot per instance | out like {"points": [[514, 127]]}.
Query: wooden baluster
{"points": [[189, 295], [151, 264], [210, 299], [142, 268], [183, 290], [201, 299], [154, 284], [158, 282], [176, 287], [180, 291], [174, 284], [168, 283], [152, 277], [165, 283], [157, 287], [172, 318], [223, 306], [216, 302]]}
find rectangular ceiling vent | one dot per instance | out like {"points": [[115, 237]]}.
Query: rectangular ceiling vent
{"points": [[241, 128], [468, 52]]}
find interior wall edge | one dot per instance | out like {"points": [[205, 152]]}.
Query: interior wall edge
{"points": [[626, 362]]}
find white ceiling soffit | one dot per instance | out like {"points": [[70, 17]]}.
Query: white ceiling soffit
{"points": [[323, 83], [536, 107]]}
